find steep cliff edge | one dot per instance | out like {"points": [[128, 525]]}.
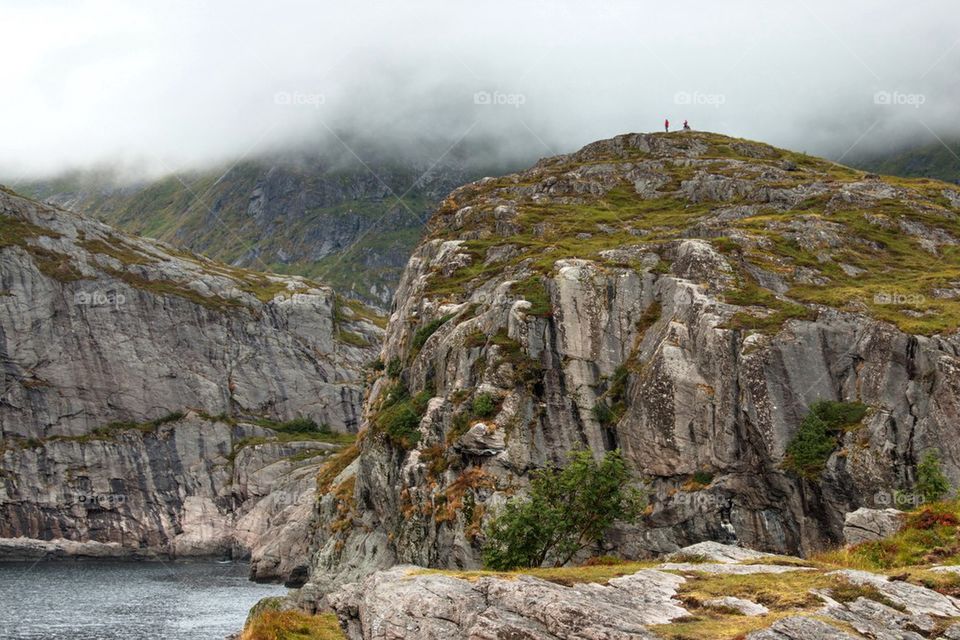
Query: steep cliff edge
{"points": [[148, 393], [684, 297]]}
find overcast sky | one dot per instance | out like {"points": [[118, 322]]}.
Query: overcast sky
{"points": [[169, 85]]}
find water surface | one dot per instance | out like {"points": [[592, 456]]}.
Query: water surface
{"points": [[106, 600]]}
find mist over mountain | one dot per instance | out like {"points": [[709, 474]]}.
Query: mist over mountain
{"points": [[156, 88]]}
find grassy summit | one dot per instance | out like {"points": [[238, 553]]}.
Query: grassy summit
{"points": [[826, 234]]}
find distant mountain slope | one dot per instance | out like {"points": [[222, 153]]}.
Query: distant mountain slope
{"points": [[932, 160], [349, 223]]}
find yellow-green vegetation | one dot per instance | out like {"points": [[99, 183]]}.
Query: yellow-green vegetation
{"points": [[20, 233], [335, 466], [296, 430], [880, 262], [360, 310], [931, 535], [113, 429], [270, 624]]}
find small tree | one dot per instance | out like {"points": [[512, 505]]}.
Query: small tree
{"points": [[932, 484], [564, 511]]}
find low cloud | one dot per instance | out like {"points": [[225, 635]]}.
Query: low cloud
{"points": [[160, 87]]}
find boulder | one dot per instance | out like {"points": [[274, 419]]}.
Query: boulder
{"points": [[867, 525]]}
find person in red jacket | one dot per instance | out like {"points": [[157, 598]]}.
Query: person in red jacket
{"points": [[666, 126]]}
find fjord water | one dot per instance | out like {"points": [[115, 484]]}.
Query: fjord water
{"points": [[112, 600]]}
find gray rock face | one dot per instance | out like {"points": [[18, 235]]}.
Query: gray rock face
{"points": [[102, 333], [867, 525], [194, 487], [701, 376], [99, 327], [402, 603]]}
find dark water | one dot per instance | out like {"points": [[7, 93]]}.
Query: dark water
{"points": [[129, 600]]}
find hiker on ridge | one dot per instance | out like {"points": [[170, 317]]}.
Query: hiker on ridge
{"points": [[666, 126], [686, 127]]}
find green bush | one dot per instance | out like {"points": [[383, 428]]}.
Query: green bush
{"points": [[394, 367], [301, 425], [376, 365], [703, 477], [399, 415], [604, 414], [932, 484], [535, 292], [565, 510], [423, 333], [484, 406], [818, 436]]}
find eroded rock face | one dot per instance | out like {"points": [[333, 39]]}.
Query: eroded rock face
{"points": [[100, 327], [193, 487], [102, 333], [702, 337]]}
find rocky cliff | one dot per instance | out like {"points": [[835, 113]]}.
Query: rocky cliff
{"points": [[685, 298], [155, 399]]}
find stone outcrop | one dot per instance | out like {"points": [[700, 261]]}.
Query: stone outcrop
{"points": [[403, 602], [867, 525], [133, 375], [410, 602], [673, 296]]}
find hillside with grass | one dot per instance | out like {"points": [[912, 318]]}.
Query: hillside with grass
{"points": [[767, 338], [347, 222]]}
